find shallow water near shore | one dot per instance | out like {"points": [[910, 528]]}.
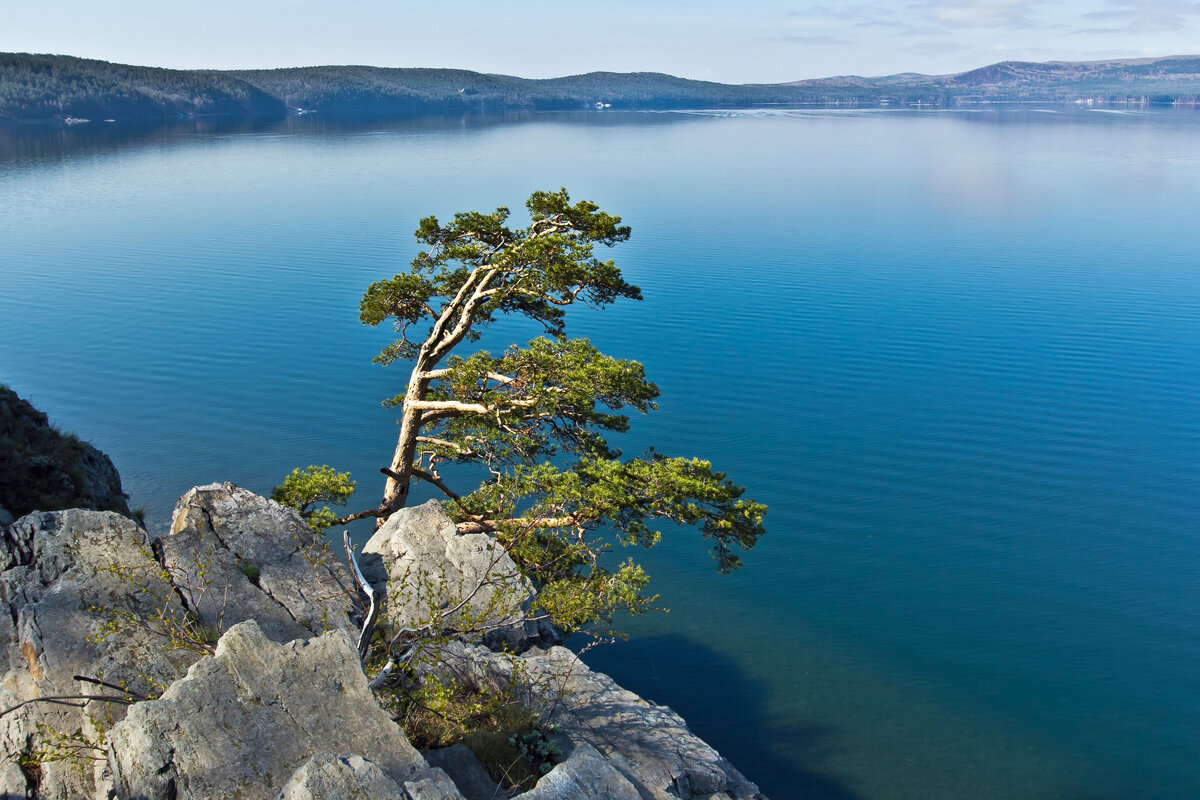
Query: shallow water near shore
{"points": [[957, 354]]}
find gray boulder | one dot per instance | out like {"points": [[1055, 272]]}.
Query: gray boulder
{"points": [[585, 774], [236, 556], [438, 578], [243, 722], [464, 769], [345, 777], [433, 785]]}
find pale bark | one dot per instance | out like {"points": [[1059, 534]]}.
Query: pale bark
{"points": [[372, 616]]}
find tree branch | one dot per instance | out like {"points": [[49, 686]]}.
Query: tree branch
{"points": [[455, 406], [455, 446], [492, 525]]}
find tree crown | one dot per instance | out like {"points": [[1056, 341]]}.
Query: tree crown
{"points": [[536, 417]]}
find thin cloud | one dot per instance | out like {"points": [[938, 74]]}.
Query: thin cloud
{"points": [[847, 13], [1141, 16], [857, 15], [978, 13], [936, 49], [817, 40]]}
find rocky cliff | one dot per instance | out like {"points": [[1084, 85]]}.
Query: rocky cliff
{"points": [[220, 661], [44, 469]]}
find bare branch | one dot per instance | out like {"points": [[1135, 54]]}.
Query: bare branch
{"points": [[364, 636], [434, 480], [455, 406], [107, 685], [371, 512], [68, 700]]}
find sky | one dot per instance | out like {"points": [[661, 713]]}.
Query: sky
{"points": [[751, 41]]}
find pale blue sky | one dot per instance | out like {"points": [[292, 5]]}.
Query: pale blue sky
{"points": [[734, 42]]}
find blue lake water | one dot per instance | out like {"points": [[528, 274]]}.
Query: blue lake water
{"points": [[957, 353]]}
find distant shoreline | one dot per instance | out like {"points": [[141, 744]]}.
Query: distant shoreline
{"points": [[54, 89]]}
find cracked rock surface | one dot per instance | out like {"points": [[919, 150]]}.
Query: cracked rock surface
{"points": [[279, 707], [245, 720], [87, 593], [240, 556]]}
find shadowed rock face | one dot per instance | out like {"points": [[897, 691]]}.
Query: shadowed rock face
{"points": [[642, 745], [42, 469]]}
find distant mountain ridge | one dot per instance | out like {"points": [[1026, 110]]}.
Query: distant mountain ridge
{"points": [[42, 87], [1173, 77]]}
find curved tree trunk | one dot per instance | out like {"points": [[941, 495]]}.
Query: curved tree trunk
{"points": [[399, 476]]}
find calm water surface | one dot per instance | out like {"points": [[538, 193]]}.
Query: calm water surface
{"points": [[957, 353]]}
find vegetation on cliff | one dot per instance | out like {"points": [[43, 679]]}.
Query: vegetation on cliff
{"points": [[43, 469]]}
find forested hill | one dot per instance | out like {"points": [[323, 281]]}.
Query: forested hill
{"points": [[40, 87], [44, 87], [376, 90]]}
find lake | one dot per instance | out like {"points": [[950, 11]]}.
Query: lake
{"points": [[956, 352]]}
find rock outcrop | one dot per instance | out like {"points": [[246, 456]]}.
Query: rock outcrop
{"points": [[236, 556], [246, 720], [73, 585], [42, 469], [649, 746], [278, 707], [89, 594]]}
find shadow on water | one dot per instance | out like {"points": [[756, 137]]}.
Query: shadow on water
{"points": [[729, 710]]}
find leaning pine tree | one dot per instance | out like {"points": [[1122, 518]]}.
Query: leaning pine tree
{"points": [[535, 417]]}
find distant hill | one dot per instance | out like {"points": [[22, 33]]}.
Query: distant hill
{"points": [[1167, 79], [34, 87], [384, 91]]}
